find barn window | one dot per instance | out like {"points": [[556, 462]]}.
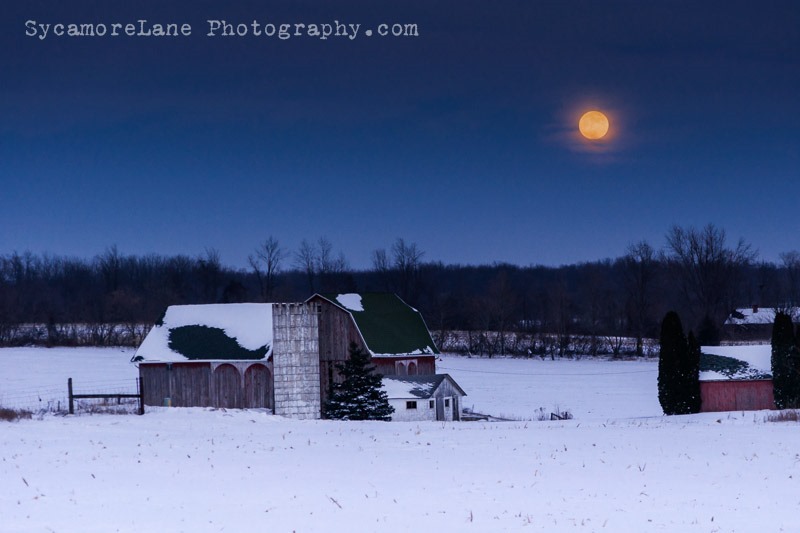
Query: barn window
{"points": [[411, 405], [447, 402], [431, 404]]}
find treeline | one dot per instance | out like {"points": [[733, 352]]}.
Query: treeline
{"points": [[696, 272]]}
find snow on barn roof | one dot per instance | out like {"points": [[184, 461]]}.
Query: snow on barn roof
{"points": [[388, 325], [250, 325], [749, 362], [422, 387]]}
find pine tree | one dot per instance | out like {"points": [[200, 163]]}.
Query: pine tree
{"points": [[678, 368], [785, 363], [672, 350], [691, 375], [359, 396]]}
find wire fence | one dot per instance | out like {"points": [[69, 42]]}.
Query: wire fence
{"points": [[56, 400]]}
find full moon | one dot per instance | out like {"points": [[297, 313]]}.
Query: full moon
{"points": [[593, 125]]}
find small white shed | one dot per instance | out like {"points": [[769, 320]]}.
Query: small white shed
{"points": [[432, 397]]}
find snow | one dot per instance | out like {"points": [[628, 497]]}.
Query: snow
{"points": [[350, 301], [589, 389], [250, 324], [617, 466], [425, 351], [396, 387], [758, 356], [36, 378], [764, 315]]}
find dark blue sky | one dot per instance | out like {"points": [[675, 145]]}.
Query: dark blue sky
{"points": [[462, 140]]}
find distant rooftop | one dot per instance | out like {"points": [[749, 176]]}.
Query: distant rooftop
{"points": [[752, 315]]}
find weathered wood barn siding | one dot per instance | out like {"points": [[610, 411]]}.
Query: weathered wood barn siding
{"points": [[336, 331], [736, 395], [257, 387], [405, 365], [444, 391], [233, 384]]}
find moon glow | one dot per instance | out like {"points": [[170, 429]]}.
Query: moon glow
{"points": [[593, 125]]}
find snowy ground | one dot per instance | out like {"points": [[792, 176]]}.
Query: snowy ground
{"points": [[617, 466]]}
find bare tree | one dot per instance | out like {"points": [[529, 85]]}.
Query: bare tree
{"points": [[110, 264], [210, 270], [707, 271], [331, 269], [791, 262], [560, 307], [266, 265], [381, 266], [407, 258], [640, 265], [306, 260]]}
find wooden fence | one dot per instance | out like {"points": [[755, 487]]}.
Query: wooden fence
{"points": [[118, 397]]}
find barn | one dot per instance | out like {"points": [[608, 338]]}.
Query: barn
{"points": [[418, 398], [209, 355], [736, 378], [282, 357]]}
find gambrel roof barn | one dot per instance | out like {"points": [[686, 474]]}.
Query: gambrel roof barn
{"points": [[386, 324], [281, 357]]}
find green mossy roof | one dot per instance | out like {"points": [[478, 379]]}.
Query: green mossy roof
{"points": [[389, 325]]}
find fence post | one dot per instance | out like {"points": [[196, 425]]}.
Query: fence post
{"points": [[71, 405], [141, 395]]}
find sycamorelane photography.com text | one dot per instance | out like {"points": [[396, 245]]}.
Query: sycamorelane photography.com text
{"points": [[219, 28]]}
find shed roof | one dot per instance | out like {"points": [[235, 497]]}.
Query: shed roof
{"points": [[748, 362], [422, 387], [388, 325], [248, 324]]}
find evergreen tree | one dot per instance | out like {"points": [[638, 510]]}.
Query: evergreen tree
{"points": [[672, 350], [785, 363], [691, 375], [678, 368], [359, 396]]}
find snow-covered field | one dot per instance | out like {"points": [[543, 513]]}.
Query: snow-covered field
{"points": [[617, 466]]}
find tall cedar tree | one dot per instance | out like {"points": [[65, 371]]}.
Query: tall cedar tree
{"points": [[691, 375], [785, 363], [678, 369], [359, 396]]}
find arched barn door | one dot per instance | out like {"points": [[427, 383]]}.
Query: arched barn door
{"points": [[257, 387], [412, 368], [228, 387]]}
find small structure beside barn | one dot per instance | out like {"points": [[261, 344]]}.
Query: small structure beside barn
{"points": [[736, 378], [434, 397], [283, 357], [736, 395]]}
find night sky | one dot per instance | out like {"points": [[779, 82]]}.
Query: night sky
{"points": [[463, 139]]}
